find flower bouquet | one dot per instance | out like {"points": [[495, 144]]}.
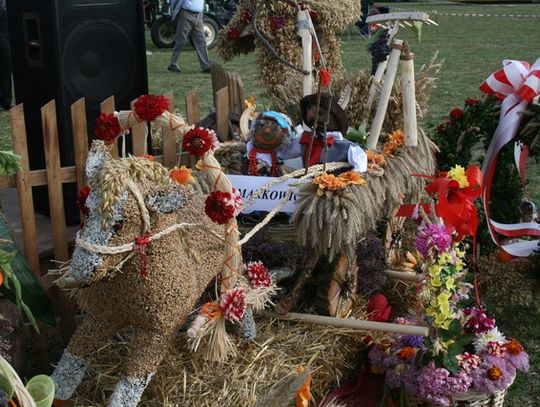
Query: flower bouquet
{"points": [[465, 360]]}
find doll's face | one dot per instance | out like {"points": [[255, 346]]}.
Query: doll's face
{"points": [[267, 134], [311, 113]]}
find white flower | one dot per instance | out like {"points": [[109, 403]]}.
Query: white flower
{"points": [[481, 340]]}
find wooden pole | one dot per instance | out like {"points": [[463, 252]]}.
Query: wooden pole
{"points": [[304, 31], [408, 94], [361, 325], [377, 78], [405, 276], [378, 120], [80, 140]]}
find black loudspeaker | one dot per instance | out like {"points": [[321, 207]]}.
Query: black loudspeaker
{"points": [[67, 49]]}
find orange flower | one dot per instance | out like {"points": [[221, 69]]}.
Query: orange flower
{"points": [[514, 347], [352, 177], [147, 156], [406, 353], [494, 373], [1, 279], [375, 158], [181, 175], [396, 139], [329, 182]]}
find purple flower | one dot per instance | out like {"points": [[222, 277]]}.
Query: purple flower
{"points": [[494, 374], [413, 341], [516, 356], [477, 320], [409, 379], [436, 385], [393, 379], [380, 359], [432, 236]]}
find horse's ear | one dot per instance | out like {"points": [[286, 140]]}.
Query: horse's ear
{"points": [[168, 200], [98, 154]]}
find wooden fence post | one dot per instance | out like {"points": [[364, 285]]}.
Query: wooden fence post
{"points": [[80, 140], [28, 221], [168, 138], [138, 136], [222, 114], [56, 203], [193, 116]]}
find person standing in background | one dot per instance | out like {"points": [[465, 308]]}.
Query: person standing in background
{"points": [[5, 60], [189, 24]]}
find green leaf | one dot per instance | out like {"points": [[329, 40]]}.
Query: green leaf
{"points": [[10, 163], [455, 328], [445, 334], [451, 363], [464, 340], [417, 30], [455, 349], [32, 292]]}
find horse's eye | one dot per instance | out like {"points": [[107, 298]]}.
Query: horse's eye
{"points": [[117, 227]]}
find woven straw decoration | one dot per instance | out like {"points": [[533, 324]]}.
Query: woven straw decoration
{"points": [[469, 399]]}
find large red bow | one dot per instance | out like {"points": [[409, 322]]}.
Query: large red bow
{"points": [[516, 85], [454, 205]]}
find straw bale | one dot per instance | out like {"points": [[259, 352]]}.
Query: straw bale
{"points": [[185, 379]]}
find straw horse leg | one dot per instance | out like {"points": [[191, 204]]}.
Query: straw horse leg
{"points": [[89, 337]]}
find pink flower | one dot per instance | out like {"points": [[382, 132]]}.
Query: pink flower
{"points": [[468, 362], [233, 304], [496, 349], [477, 320], [432, 237], [237, 201]]}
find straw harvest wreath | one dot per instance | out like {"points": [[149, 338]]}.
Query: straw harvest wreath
{"points": [[138, 266]]}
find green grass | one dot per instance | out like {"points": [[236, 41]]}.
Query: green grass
{"points": [[472, 47]]}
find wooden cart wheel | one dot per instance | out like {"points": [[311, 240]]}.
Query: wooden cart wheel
{"points": [[336, 293]]}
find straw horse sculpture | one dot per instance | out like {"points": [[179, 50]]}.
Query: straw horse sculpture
{"points": [[162, 274]]}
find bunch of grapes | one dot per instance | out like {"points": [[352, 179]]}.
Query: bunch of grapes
{"points": [[379, 50]]}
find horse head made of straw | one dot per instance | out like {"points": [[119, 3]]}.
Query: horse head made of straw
{"points": [[146, 253]]}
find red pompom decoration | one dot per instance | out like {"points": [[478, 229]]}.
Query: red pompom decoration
{"points": [[148, 107], [246, 17], [456, 113], [471, 102], [258, 274], [107, 127], [379, 309], [233, 33], [219, 207], [324, 77], [277, 23], [198, 141], [233, 304], [82, 196]]}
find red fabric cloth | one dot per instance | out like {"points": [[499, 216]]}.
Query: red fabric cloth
{"points": [[318, 145]]}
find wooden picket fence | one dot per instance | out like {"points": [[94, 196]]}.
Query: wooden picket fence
{"points": [[228, 93]]}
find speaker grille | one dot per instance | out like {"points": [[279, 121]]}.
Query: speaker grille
{"points": [[96, 66]]}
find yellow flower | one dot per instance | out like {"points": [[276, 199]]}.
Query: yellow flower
{"points": [[449, 283], [442, 300], [436, 281], [435, 271], [457, 173]]}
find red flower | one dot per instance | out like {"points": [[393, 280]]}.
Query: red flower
{"points": [[199, 141], [406, 353], [233, 304], [444, 126], [82, 196], [219, 206], [456, 113], [258, 274], [148, 107], [246, 17], [471, 102], [325, 77], [107, 127], [277, 23], [233, 33]]}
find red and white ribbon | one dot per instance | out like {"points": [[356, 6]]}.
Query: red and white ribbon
{"points": [[517, 84]]}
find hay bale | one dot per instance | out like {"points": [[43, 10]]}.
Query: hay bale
{"points": [[185, 379]]}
